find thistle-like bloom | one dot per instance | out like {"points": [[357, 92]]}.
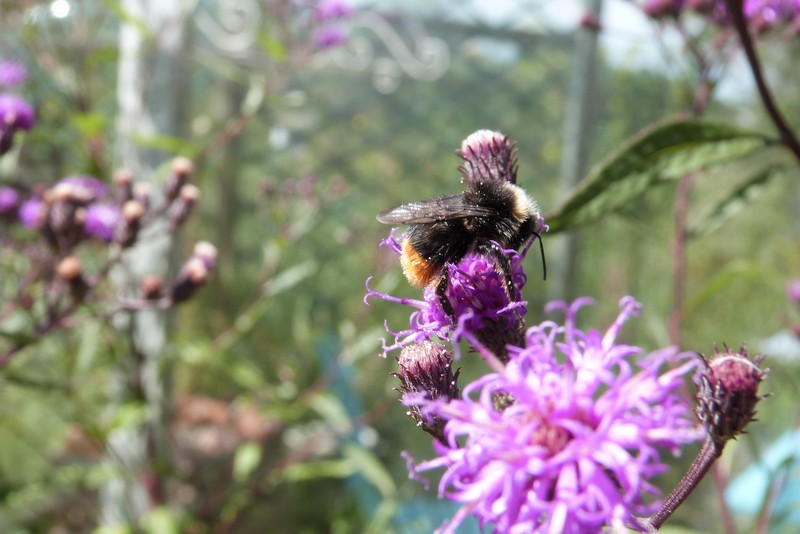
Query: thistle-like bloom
{"points": [[576, 438], [478, 303]]}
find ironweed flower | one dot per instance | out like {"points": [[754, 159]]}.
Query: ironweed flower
{"points": [[477, 303], [575, 444]]}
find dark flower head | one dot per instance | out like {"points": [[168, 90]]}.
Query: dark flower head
{"points": [[12, 73], [728, 393], [483, 304], [426, 371], [575, 444], [488, 155], [15, 113], [102, 220], [9, 201]]}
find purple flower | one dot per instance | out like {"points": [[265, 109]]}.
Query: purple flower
{"points": [[576, 438], [102, 220], [477, 304], [12, 73], [9, 200], [329, 36], [15, 113], [328, 10], [33, 213]]}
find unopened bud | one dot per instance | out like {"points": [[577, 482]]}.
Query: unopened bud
{"points": [[180, 209], [192, 275], [207, 253], [132, 213], [70, 271], [181, 169], [728, 393], [425, 370], [488, 155], [142, 192], [123, 179], [151, 287]]}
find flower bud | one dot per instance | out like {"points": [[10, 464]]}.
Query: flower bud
{"points": [[70, 271], [132, 213], [181, 169], [426, 370], [151, 287], [191, 276], [488, 155], [182, 207], [61, 216], [123, 179], [207, 253], [728, 393], [142, 192]]}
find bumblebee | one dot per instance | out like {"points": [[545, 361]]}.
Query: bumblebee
{"points": [[443, 230]]}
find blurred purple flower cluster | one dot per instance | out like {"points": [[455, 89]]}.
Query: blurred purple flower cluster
{"points": [[762, 15], [77, 208], [58, 231], [329, 17]]}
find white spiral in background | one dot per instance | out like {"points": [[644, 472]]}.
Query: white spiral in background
{"points": [[235, 29], [428, 61]]}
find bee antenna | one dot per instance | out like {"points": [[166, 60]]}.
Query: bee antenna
{"points": [[541, 250]]}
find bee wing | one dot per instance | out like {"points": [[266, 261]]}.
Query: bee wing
{"points": [[434, 210]]}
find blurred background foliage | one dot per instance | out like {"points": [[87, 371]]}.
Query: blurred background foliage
{"points": [[283, 415]]}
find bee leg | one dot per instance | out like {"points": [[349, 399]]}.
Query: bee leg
{"points": [[504, 266], [441, 292]]}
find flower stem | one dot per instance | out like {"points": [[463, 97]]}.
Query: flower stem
{"points": [[708, 454], [788, 138]]}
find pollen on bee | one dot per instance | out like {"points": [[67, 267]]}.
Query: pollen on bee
{"points": [[417, 269]]}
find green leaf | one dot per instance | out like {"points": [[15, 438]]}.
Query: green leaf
{"points": [[245, 461], [319, 469], [272, 47], [89, 124], [161, 520], [736, 202], [663, 153], [167, 143]]}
